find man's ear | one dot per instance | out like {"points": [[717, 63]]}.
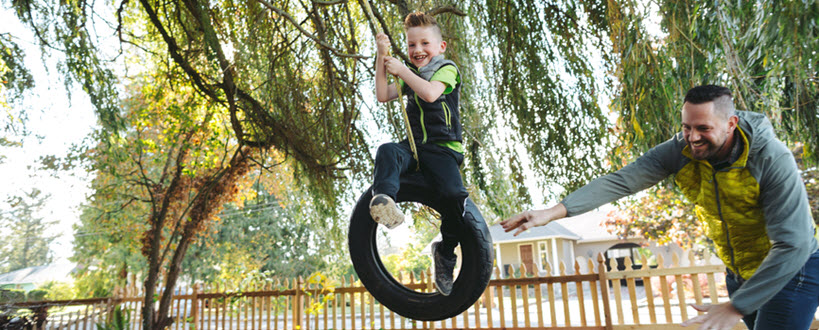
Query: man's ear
{"points": [[443, 46], [732, 123]]}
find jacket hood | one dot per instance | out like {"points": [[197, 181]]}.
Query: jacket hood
{"points": [[758, 129]]}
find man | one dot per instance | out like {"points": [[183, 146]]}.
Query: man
{"points": [[749, 198]]}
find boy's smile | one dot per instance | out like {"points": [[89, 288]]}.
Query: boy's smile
{"points": [[423, 43]]}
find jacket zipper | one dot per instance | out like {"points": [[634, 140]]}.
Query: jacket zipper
{"points": [[421, 110], [724, 224], [447, 115]]}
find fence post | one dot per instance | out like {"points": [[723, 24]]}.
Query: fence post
{"points": [[297, 305], [40, 316], [195, 303], [604, 289], [429, 278], [113, 302]]}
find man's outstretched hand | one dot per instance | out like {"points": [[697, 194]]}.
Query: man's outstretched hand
{"points": [[720, 316], [529, 219]]}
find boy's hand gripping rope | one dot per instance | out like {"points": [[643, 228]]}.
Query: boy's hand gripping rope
{"points": [[370, 16]]}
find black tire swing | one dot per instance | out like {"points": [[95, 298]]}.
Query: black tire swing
{"points": [[476, 266]]}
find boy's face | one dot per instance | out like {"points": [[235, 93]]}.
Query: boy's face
{"points": [[423, 43]]}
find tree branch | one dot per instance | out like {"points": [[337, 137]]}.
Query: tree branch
{"points": [[119, 20], [173, 48], [403, 8], [328, 3], [393, 44], [446, 9], [306, 33]]}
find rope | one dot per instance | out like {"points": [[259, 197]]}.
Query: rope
{"points": [[370, 16]]}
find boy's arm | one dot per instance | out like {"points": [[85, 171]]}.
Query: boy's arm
{"points": [[428, 91], [383, 91]]}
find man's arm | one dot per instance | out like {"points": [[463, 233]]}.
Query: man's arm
{"points": [[790, 228], [652, 167]]}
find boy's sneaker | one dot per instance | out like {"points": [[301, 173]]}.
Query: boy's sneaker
{"points": [[443, 270], [384, 211]]}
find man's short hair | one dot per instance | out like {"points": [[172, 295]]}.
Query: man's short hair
{"points": [[420, 19], [721, 96]]}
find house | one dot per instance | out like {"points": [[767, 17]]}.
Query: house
{"points": [[32, 277], [567, 240]]}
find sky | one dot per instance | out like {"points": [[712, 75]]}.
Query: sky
{"points": [[56, 122]]}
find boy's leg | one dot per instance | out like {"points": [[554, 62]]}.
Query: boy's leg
{"points": [[440, 166], [391, 160], [795, 305]]}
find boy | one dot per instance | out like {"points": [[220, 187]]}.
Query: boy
{"points": [[432, 85]]}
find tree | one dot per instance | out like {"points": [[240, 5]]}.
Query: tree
{"points": [[26, 243], [177, 168], [263, 235], [14, 80], [409, 260], [662, 215]]}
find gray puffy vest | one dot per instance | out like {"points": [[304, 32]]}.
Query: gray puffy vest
{"points": [[438, 120]]}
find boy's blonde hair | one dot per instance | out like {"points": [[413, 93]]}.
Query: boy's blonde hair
{"points": [[420, 19]]}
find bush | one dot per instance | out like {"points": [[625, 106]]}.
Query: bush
{"points": [[10, 296], [36, 295], [58, 291], [95, 284], [120, 320]]}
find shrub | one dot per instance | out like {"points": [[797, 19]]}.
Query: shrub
{"points": [[10, 296], [58, 291], [120, 320], [36, 295]]}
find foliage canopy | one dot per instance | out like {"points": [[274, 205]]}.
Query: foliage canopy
{"points": [[286, 83]]}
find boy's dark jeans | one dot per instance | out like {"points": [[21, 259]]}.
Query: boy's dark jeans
{"points": [[441, 169], [791, 308]]}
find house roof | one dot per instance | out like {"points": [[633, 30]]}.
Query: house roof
{"points": [[585, 227], [553, 229], [39, 274], [589, 226]]}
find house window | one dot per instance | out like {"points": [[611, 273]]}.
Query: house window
{"points": [[545, 252]]}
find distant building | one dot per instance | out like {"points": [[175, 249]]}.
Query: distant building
{"points": [[32, 277], [567, 240]]}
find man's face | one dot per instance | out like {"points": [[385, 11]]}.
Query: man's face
{"points": [[707, 132], [423, 43]]}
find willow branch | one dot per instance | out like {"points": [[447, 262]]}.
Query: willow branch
{"points": [[393, 44], [328, 3], [446, 9], [306, 33], [173, 48], [228, 84], [403, 8]]}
